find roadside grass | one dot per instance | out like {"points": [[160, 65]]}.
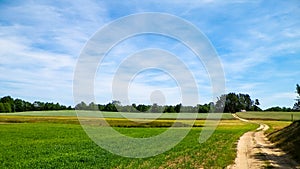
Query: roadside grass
{"points": [[281, 116], [275, 125], [56, 145], [283, 131], [119, 114], [288, 139]]}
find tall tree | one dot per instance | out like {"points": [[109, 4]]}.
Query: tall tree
{"points": [[257, 102], [143, 108], [220, 104], [2, 108], [9, 100], [110, 107], [255, 106], [177, 108], [203, 108], [154, 108], [232, 103], [133, 108], [169, 109], [116, 102], [81, 106], [297, 104], [93, 106], [7, 107], [19, 105]]}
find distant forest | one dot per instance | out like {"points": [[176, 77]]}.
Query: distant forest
{"points": [[228, 103], [233, 103], [8, 104]]}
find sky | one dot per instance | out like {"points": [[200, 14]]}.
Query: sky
{"points": [[257, 42]]}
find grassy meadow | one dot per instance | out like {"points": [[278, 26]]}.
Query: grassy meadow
{"points": [[68, 113], [288, 139], [281, 116], [54, 139], [55, 145]]}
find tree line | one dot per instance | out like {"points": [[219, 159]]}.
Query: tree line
{"points": [[8, 104], [232, 103], [116, 106], [229, 103]]}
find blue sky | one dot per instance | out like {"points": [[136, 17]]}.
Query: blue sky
{"points": [[257, 42]]}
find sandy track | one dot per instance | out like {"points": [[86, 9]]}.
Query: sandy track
{"points": [[255, 151]]}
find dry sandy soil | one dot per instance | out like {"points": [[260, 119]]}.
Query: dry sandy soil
{"points": [[255, 151]]}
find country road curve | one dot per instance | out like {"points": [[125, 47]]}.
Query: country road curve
{"points": [[255, 151]]}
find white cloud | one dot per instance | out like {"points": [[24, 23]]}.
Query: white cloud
{"points": [[39, 45], [40, 42], [284, 99], [34, 73]]}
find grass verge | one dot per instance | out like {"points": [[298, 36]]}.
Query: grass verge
{"points": [[288, 139], [279, 116]]}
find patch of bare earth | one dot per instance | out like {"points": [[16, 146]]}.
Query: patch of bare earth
{"points": [[254, 151]]}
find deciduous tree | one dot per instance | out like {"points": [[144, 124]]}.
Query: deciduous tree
{"points": [[297, 104]]}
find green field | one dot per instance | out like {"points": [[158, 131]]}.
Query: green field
{"points": [[43, 113], [119, 115], [54, 139], [54, 145], [282, 116]]}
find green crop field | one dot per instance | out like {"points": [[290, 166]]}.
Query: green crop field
{"points": [[119, 115], [43, 113], [60, 142], [282, 116], [54, 139]]}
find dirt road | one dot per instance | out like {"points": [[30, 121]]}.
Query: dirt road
{"points": [[255, 151]]}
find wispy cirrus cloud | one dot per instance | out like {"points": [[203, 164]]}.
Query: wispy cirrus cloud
{"points": [[39, 45], [257, 41]]}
